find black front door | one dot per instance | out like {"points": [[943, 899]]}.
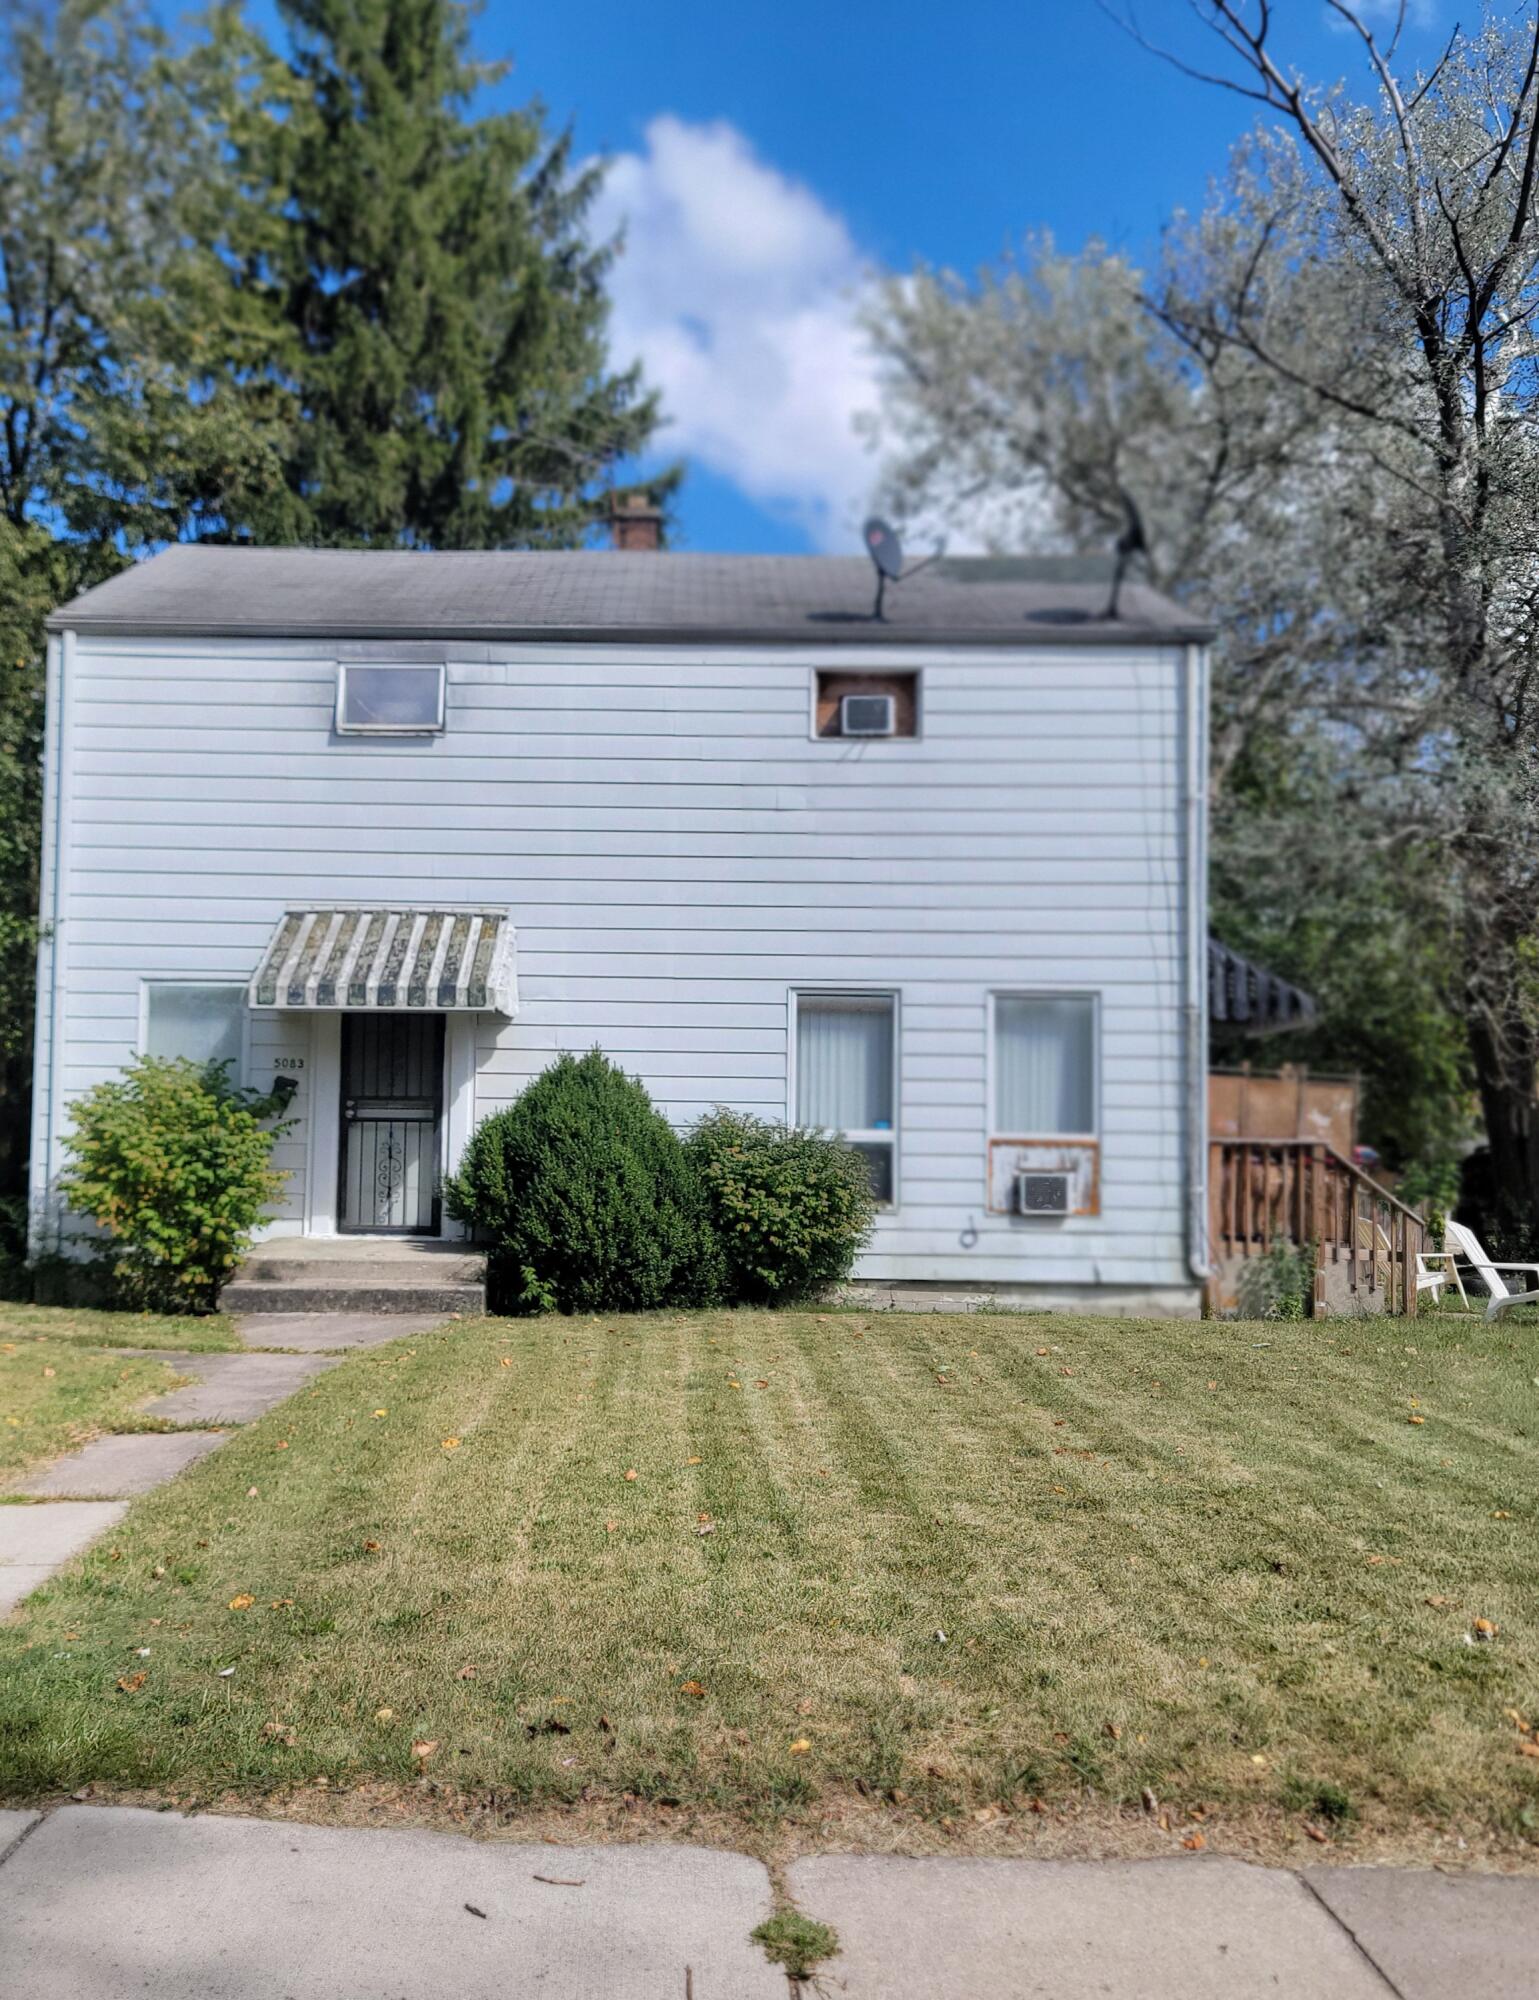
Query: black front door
{"points": [[392, 1101]]}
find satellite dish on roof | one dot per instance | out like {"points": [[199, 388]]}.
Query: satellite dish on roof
{"points": [[886, 552]]}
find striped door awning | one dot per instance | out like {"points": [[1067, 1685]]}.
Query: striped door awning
{"points": [[392, 959]]}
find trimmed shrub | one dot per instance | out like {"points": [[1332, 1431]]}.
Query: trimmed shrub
{"points": [[792, 1209], [173, 1164], [586, 1198]]}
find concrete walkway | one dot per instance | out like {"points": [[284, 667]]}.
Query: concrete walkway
{"points": [[100, 1903], [86, 1490]]}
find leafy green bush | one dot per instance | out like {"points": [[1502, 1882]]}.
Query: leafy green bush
{"points": [[1279, 1284], [587, 1199], [792, 1209], [174, 1165]]}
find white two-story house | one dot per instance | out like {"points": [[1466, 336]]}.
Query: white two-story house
{"points": [[400, 827]]}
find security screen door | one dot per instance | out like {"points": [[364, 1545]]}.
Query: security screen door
{"points": [[392, 1099]]}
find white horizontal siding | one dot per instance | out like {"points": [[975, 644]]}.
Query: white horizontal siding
{"points": [[678, 855]]}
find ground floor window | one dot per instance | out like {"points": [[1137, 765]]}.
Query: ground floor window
{"points": [[846, 1076], [204, 1023], [1044, 1064]]}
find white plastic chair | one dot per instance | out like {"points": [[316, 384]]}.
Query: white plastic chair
{"points": [[1429, 1280], [1468, 1246]]}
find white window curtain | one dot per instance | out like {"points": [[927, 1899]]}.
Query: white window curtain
{"points": [[844, 1062], [1044, 1066], [844, 1057], [203, 1023]]}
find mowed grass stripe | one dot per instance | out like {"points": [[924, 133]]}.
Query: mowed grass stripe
{"points": [[1141, 1580]]}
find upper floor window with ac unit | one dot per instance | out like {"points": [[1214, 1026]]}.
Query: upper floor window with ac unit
{"points": [[394, 699], [204, 1023], [1044, 1061], [846, 1076], [865, 706]]}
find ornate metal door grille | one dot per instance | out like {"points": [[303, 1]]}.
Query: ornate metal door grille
{"points": [[392, 1099]]}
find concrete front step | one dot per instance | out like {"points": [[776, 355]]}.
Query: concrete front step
{"points": [[359, 1274], [366, 1293]]}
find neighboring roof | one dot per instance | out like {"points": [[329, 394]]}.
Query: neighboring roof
{"points": [[1246, 996], [210, 590]]}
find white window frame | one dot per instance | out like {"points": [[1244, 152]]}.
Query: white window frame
{"points": [[434, 728], [152, 979], [991, 1066], [875, 1136]]}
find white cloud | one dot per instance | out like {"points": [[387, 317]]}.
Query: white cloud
{"points": [[737, 288]]}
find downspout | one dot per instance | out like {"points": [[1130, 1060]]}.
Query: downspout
{"points": [[1194, 1007], [43, 1222]]}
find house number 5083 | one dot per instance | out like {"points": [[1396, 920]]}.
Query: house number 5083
{"points": [[288, 1062]]}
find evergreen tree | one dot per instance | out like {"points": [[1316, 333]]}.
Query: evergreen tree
{"points": [[439, 313]]}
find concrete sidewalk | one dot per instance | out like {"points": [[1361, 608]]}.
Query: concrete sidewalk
{"points": [[100, 1903]]}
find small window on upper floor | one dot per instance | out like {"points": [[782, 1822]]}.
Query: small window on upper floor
{"points": [[859, 706], [395, 700]]}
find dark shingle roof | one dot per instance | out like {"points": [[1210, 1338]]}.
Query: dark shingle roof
{"points": [[600, 594]]}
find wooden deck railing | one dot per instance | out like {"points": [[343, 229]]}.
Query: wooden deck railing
{"points": [[1266, 1191]]}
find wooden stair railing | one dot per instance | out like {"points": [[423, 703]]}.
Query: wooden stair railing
{"points": [[1266, 1191]]}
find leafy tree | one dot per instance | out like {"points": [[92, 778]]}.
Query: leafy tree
{"points": [[113, 431], [437, 312], [1324, 399]]}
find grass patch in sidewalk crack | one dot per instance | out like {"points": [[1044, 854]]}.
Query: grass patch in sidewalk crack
{"points": [[795, 1942]]}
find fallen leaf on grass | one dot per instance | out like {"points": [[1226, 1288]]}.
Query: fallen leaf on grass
{"points": [[422, 1751], [243, 1602], [633, 1474], [1528, 1748], [50, 1372], [1041, 1351], [696, 1688], [384, 1714], [279, 1732], [467, 1673], [281, 1445], [1195, 1841], [985, 1815], [610, 1526], [381, 1413], [505, 1361], [371, 1548], [1416, 1420], [131, 1683], [281, 1604], [1501, 1514], [692, 1461], [1484, 1630], [801, 1746], [1113, 1730], [1316, 1833], [1438, 1603], [451, 1444]]}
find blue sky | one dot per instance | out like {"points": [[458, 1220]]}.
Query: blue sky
{"points": [[767, 158]]}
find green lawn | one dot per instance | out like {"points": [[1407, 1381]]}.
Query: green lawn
{"points": [[55, 1395], [1222, 1561], [209, 1335]]}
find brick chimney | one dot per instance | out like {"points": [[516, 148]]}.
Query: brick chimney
{"points": [[635, 523]]}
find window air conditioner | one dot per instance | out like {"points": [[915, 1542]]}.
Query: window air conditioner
{"points": [[867, 715], [1042, 1194]]}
